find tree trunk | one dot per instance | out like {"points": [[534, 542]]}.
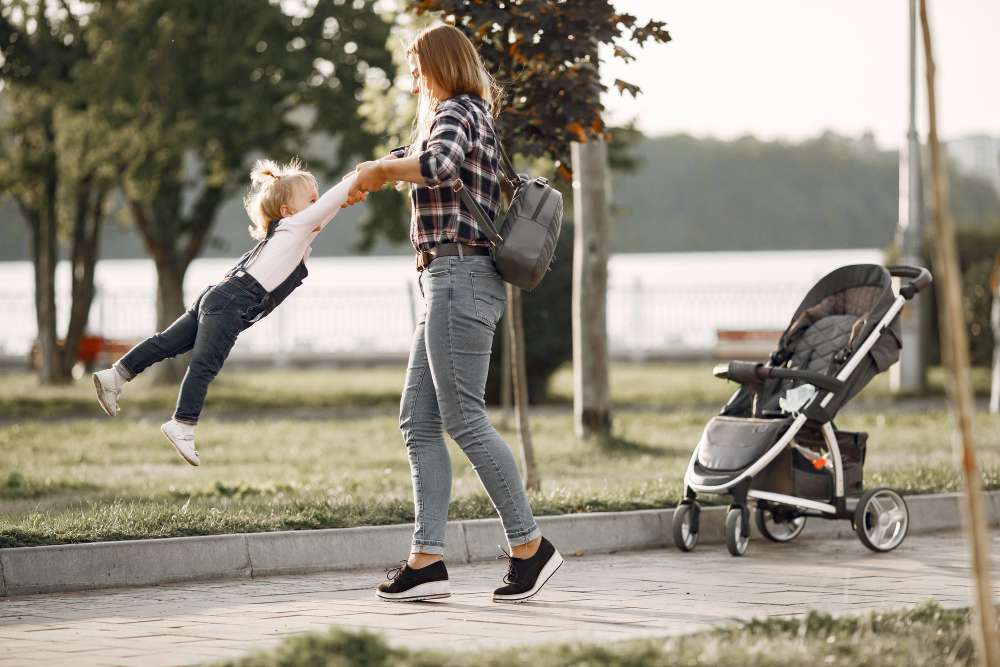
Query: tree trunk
{"points": [[591, 405], [43, 229], [44, 257], [955, 354], [87, 221], [169, 306], [519, 381]]}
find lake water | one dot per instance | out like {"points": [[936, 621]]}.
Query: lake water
{"points": [[365, 306]]}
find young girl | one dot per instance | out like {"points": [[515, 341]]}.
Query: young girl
{"points": [[287, 214]]}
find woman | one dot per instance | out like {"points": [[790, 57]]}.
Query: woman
{"points": [[464, 298]]}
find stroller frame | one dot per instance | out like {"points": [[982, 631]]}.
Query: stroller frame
{"points": [[739, 486]]}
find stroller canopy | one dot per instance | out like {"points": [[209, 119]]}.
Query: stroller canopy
{"points": [[839, 313]]}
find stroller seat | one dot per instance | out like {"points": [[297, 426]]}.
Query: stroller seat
{"points": [[732, 444], [817, 350]]}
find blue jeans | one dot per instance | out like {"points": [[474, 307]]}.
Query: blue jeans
{"points": [[208, 330], [445, 385]]}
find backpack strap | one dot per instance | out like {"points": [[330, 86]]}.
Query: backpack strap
{"points": [[486, 225], [506, 170]]}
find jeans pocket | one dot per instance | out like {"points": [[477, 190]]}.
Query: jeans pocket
{"points": [[488, 296], [216, 301]]}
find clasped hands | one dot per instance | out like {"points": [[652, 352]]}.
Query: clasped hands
{"points": [[370, 176]]}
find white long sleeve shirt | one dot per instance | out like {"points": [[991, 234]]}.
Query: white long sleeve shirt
{"points": [[291, 241]]}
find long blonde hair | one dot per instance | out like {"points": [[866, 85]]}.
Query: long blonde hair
{"points": [[449, 59], [272, 185]]}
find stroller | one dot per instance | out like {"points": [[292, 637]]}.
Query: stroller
{"points": [[775, 441]]}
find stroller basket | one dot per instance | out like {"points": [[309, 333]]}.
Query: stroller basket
{"points": [[791, 473]]}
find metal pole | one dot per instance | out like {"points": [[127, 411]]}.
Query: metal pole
{"points": [[910, 374]]}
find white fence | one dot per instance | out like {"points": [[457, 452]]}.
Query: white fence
{"points": [[366, 307]]}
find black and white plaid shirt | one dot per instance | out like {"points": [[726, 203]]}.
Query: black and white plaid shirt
{"points": [[460, 143]]}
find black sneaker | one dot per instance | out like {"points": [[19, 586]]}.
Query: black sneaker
{"points": [[408, 585], [526, 576]]}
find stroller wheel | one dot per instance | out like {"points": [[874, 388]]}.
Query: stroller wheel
{"points": [[685, 526], [779, 529], [881, 519], [736, 542]]}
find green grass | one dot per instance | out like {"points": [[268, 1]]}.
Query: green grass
{"points": [[928, 635], [236, 391], [98, 479], [661, 385], [84, 479]]}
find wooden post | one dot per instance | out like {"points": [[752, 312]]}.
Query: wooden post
{"points": [[995, 325], [506, 369], [515, 325], [591, 403], [955, 354]]}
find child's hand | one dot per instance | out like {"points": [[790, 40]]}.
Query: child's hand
{"points": [[355, 198]]}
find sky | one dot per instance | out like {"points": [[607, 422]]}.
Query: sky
{"points": [[790, 69]]}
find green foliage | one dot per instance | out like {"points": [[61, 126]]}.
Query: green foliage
{"points": [[978, 258], [193, 94], [830, 192], [926, 636], [545, 54]]}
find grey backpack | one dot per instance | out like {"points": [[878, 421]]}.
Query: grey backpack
{"points": [[524, 239]]}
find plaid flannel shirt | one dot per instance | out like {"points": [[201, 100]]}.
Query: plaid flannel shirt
{"points": [[461, 143]]}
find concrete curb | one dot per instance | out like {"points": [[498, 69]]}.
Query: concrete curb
{"points": [[71, 567]]}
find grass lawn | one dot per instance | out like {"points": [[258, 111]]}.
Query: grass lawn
{"points": [[926, 636], [292, 452], [86, 479], [659, 385]]}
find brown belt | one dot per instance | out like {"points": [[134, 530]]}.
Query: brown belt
{"points": [[425, 258]]}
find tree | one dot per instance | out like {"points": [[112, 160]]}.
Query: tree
{"points": [[194, 90], [955, 354], [52, 163], [547, 56]]}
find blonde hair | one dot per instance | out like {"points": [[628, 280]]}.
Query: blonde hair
{"points": [[449, 59], [272, 185]]}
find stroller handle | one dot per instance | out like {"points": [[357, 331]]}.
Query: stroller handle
{"points": [[920, 278], [749, 372]]}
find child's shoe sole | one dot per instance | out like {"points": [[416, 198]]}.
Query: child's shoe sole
{"points": [[193, 461], [100, 397]]}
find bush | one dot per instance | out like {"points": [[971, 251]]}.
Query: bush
{"points": [[548, 326], [977, 250]]}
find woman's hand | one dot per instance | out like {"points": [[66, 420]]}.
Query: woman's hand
{"points": [[371, 176]]}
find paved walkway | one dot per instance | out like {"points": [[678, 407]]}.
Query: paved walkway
{"points": [[595, 598]]}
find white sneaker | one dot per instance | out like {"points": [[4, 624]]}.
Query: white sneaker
{"points": [[181, 436], [109, 385]]}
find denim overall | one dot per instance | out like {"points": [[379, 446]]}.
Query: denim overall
{"points": [[210, 328]]}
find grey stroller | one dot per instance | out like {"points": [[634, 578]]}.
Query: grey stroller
{"points": [[775, 443]]}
